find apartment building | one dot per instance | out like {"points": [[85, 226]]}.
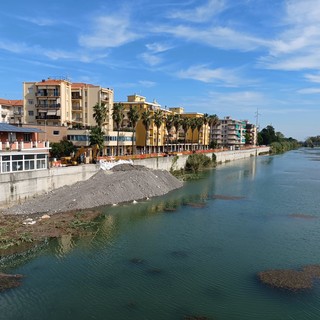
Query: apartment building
{"points": [[229, 132], [11, 111], [62, 103], [47, 102], [155, 138]]}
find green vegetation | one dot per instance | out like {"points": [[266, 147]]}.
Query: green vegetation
{"points": [[312, 142], [62, 149], [276, 140], [100, 112], [195, 163]]}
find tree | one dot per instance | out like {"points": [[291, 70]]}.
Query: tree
{"points": [[134, 117], [169, 125], [177, 124], [146, 121], [193, 126], [100, 112], [158, 120], [97, 137], [268, 135], [199, 124], [213, 121], [118, 116], [62, 149], [205, 122], [185, 123]]}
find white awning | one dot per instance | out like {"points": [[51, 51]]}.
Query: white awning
{"points": [[51, 113], [43, 111]]}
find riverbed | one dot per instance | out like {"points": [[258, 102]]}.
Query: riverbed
{"points": [[194, 252]]}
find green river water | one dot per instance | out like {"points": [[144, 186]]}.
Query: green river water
{"points": [[148, 261]]}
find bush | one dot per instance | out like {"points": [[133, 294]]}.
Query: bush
{"points": [[197, 162]]}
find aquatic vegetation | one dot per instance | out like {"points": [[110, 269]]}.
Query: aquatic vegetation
{"points": [[225, 197], [197, 204], [9, 281], [290, 279]]}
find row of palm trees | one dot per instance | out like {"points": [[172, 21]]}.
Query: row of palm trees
{"points": [[159, 118]]}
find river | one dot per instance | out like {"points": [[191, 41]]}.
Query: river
{"points": [[193, 252]]}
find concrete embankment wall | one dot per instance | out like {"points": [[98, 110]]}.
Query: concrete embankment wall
{"points": [[18, 187]]}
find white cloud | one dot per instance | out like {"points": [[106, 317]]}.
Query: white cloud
{"points": [[109, 32], [147, 84], [297, 46], [40, 21], [202, 73], [14, 47], [313, 77], [309, 91], [217, 37], [200, 13], [152, 55]]}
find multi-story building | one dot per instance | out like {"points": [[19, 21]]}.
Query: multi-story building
{"points": [[11, 111], [47, 102], [229, 133], [60, 102], [252, 134], [155, 138]]}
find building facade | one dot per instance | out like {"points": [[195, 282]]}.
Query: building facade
{"points": [[11, 111]]}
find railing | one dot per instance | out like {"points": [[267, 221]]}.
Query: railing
{"points": [[23, 145], [48, 117], [48, 106]]}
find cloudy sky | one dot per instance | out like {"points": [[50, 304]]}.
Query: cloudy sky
{"points": [[225, 57]]}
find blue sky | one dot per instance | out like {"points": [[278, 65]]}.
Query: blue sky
{"points": [[224, 57]]}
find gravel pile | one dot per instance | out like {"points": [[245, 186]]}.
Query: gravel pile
{"points": [[123, 183]]}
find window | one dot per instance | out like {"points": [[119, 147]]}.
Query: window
{"points": [[56, 133], [30, 113], [30, 101], [30, 90]]}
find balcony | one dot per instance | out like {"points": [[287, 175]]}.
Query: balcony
{"points": [[23, 145], [49, 106], [50, 117], [76, 96]]}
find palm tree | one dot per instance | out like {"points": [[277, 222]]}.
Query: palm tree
{"points": [[205, 122], [185, 123], [177, 124], [146, 121], [158, 120], [193, 126], [134, 117], [199, 122], [118, 116], [100, 113], [169, 124], [213, 121], [96, 134]]}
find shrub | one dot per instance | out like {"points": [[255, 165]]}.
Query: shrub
{"points": [[197, 161]]}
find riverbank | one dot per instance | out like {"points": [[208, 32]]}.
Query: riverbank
{"points": [[66, 210]]}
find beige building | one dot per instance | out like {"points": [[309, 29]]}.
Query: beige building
{"points": [[62, 103], [11, 111]]}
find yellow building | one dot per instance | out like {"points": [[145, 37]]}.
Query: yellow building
{"points": [[147, 142]]}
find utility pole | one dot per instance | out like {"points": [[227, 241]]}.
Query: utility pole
{"points": [[257, 114]]}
